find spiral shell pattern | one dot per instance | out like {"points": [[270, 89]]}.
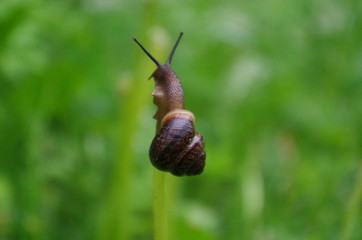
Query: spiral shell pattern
{"points": [[177, 148]]}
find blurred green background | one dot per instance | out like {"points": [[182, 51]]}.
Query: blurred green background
{"points": [[276, 87]]}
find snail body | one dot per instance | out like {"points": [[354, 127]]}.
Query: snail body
{"points": [[177, 148]]}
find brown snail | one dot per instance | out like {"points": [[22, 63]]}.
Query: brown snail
{"points": [[177, 148]]}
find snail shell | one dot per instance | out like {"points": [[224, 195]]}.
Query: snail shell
{"points": [[177, 147]]}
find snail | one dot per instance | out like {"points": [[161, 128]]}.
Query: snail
{"points": [[177, 148]]}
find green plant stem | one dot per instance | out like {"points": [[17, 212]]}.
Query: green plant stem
{"points": [[353, 207], [160, 202], [160, 205]]}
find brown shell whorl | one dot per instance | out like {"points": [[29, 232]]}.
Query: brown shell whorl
{"points": [[177, 148]]}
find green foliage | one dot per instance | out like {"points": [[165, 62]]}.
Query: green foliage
{"points": [[277, 94]]}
